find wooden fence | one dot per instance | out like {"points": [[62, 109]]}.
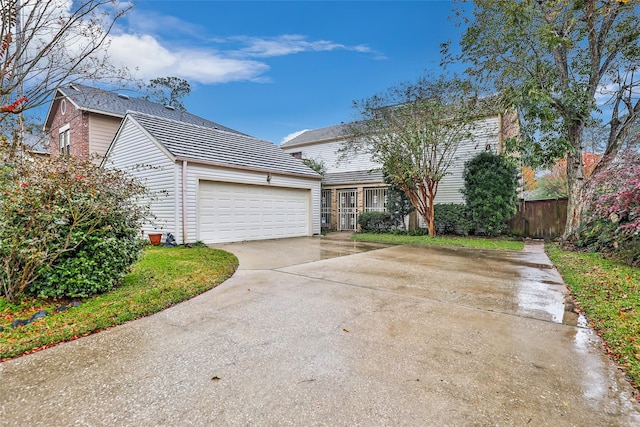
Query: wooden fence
{"points": [[540, 219]]}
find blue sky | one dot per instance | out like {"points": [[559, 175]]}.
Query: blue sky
{"points": [[272, 68]]}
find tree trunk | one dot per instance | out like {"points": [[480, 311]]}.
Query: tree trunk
{"points": [[575, 181], [432, 217], [432, 222]]}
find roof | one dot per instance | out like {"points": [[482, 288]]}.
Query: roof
{"points": [[317, 135], [36, 144], [111, 103], [216, 146], [355, 177]]}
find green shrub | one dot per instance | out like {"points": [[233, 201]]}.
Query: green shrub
{"points": [[452, 218], [376, 222], [67, 227], [98, 265], [398, 203], [490, 184], [419, 232]]}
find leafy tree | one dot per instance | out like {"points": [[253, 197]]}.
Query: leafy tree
{"points": [[316, 165], [551, 59], [490, 185], [398, 204], [554, 184], [529, 178], [168, 91], [414, 131]]}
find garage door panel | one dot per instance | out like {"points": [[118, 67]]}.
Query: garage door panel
{"points": [[234, 212]]}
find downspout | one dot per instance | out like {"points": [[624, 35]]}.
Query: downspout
{"points": [[184, 202], [500, 134]]}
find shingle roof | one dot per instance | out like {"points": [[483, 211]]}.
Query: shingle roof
{"points": [[355, 177], [316, 135], [111, 103], [209, 145]]}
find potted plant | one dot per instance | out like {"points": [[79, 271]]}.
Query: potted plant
{"points": [[155, 238]]}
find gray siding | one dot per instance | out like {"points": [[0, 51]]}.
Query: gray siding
{"points": [[136, 154], [328, 152], [486, 135]]}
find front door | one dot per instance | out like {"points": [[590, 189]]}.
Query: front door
{"points": [[347, 210]]}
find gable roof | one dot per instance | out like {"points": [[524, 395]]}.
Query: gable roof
{"points": [[200, 144], [329, 133], [111, 103]]}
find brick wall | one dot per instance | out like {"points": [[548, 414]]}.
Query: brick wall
{"points": [[78, 122]]}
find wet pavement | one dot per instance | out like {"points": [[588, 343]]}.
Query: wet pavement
{"points": [[318, 331]]}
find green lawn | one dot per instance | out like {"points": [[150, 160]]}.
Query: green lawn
{"points": [[609, 294], [162, 278], [469, 242]]}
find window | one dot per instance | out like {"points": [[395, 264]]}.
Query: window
{"points": [[297, 154], [375, 199], [65, 143], [325, 209]]}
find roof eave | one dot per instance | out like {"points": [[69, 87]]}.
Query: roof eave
{"points": [[316, 141], [246, 168]]}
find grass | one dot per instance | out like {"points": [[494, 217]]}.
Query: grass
{"points": [[162, 278], [467, 242], [608, 292]]}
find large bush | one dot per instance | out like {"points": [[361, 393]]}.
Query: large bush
{"points": [[376, 222], [613, 223], [67, 227], [490, 185]]}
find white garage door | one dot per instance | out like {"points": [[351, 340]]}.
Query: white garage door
{"points": [[235, 212]]}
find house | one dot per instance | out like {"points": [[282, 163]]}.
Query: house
{"points": [[82, 120], [214, 184], [353, 183]]}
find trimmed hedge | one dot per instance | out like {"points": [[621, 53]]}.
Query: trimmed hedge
{"points": [[376, 222], [452, 218]]}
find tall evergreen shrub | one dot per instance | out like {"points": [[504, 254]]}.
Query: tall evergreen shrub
{"points": [[490, 191]]}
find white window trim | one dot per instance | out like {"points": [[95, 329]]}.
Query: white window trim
{"points": [[67, 148]]}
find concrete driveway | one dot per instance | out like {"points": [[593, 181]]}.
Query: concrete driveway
{"points": [[314, 331]]}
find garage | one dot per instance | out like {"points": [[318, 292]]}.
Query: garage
{"points": [[214, 186], [231, 212]]}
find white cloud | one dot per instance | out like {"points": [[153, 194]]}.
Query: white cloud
{"points": [[150, 58], [143, 52], [194, 55], [292, 135], [288, 44]]}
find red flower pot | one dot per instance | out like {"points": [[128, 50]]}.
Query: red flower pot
{"points": [[155, 238]]}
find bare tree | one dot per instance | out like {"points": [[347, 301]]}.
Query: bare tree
{"points": [[414, 130], [45, 43]]}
